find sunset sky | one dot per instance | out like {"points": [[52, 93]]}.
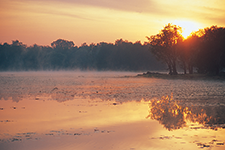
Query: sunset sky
{"points": [[93, 21]]}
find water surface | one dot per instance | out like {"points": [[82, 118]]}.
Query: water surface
{"points": [[106, 110]]}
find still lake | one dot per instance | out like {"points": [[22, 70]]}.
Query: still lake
{"points": [[64, 110]]}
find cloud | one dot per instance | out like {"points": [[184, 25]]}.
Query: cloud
{"points": [[172, 8], [67, 14], [124, 5], [34, 7], [219, 21], [143, 6]]}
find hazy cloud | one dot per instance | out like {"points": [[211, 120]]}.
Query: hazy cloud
{"points": [[129, 19], [147, 6]]}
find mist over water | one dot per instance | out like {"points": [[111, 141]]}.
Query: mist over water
{"points": [[105, 85], [109, 110]]}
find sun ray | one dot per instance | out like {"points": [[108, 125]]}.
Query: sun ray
{"points": [[187, 27]]}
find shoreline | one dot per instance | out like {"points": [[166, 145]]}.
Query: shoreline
{"points": [[181, 76]]}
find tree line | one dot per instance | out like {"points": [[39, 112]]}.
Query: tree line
{"points": [[203, 51], [65, 55]]}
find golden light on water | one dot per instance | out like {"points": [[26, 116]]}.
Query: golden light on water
{"points": [[89, 111], [108, 122]]}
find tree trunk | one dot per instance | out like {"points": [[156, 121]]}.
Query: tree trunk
{"points": [[174, 67], [190, 69], [170, 69], [185, 71], [185, 68]]}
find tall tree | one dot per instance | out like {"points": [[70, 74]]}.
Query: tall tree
{"points": [[165, 46], [211, 53], [190, 47]]}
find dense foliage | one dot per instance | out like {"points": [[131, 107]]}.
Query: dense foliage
{"points": [[164, 46], [203, 51], [64, 55], [209, 56]]}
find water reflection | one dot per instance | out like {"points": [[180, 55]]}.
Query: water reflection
{"points": [[63, 86], [36, 123], [175, 115]]}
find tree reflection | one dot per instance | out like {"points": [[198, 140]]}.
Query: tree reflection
{"points": [[167, 112], [173, 115]]}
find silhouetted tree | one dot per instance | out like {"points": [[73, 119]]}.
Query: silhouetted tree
{"points": [[121, 55], [212, 51], [31, 59], [164, 46], [11, 55], [60, 43], [188, 53]]}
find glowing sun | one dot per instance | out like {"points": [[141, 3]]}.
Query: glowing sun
{"points": [[187, 27]]}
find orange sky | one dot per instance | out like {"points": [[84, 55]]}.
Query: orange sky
{"points": [[43, 21]]}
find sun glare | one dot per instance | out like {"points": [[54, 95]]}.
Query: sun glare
{"points": [[187, 27]]}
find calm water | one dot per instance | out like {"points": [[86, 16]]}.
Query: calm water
{"points": [[109, 111]]}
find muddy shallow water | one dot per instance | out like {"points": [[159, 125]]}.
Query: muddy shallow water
{"points": [[108, 111]]}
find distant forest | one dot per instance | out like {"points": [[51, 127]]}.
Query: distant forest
{"points": [[64, 55], [202, 52]]}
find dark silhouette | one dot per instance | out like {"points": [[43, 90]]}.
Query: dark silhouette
{"points": [[61, 44], [63, 54], [211, 51], [165, 46], [187, 54], [204, 50]]}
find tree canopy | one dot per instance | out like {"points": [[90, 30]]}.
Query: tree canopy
{"points": [[61, 43], [204, 50], [211, 51], [201, 52], [165, 46], [64, 55]]}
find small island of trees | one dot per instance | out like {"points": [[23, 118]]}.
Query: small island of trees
{"points": [[203, 50]]}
